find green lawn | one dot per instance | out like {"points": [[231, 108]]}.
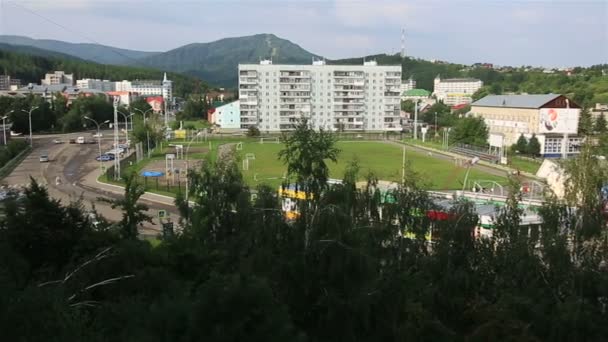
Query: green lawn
{"points": [[384, 160], [526, 165]]}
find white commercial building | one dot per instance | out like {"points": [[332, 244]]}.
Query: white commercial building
{"points": [[58, 78], [227, 116], [96, 84], [333, 97], [455, 91], [162, 88]]}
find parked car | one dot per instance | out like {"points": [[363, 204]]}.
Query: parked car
{"points": [[80, 140], [105, 157], [98, 135], [71, 141], [15, 134], [57, 141]]}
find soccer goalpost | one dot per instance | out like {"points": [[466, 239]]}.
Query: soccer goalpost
{"points": [[269, 140], [239, 146], [248, 157]]}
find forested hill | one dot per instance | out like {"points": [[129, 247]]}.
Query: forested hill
{"points": [[30, 68], [586, 85]]}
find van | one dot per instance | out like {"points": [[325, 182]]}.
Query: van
{"points": [[80, 140]]}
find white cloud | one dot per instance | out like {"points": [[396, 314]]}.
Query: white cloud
{"points": [[362, 14]]}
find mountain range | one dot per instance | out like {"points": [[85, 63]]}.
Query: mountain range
{"points": [[215, 62]]}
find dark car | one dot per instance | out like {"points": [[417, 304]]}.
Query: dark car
{"points": [[105, 157], [72, 141]]}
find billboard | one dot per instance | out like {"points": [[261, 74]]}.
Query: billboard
{"points": [[558, 120], [156, 102]]}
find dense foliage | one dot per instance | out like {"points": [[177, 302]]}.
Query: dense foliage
{"points": [[341, 271]]}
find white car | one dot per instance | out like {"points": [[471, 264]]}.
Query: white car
{"points": [[97, 135], [13, 134], [57, 141]]}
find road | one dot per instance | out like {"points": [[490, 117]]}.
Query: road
{"points": [[71, 175]]}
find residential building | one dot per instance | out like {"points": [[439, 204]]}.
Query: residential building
{"points": [[58, 78], [89, 83], [453, 91], [553, 118], [226, 116], [408, 85], [334, 97], [9, 83]]}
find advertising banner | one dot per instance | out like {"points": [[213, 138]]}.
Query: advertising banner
{"points": [[558, 120]]}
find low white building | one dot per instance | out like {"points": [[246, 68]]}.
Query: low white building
{"points": [[162, 88], [58, 78], [227, 116], [454, 91], [96, 84]]}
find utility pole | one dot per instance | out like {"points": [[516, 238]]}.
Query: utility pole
{"points": [[117, 159], [416, 120]]}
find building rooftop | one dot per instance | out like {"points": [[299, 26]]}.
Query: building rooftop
{"points": [[515, 101], [417, 92], [451, 80]]}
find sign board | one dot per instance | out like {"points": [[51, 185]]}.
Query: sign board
{"points": [[170, 155], [558, 120], [180, 134], [167, 229], [162, 214], [496, 140]]}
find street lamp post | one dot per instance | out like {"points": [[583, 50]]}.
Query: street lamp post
{"points": [[126, 127], [147, 131], [30, 119], [436, 133], [98, 139]]}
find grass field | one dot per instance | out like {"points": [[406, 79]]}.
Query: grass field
{"points": [[383, 159]]}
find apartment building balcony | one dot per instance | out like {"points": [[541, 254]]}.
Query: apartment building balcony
{"points": [[349, 74], [244, 80], [298, 73], [295, 87], [248, 73]]}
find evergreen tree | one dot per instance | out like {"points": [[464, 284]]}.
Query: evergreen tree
{"points": [[600, 124], [585, 123], [533, 147], [522, 144]]}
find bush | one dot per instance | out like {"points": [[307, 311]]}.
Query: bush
{"points": [[253, 131]]}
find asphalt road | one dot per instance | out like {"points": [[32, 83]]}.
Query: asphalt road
{"points": [[65, 175]]}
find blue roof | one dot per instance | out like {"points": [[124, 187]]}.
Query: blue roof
{"points": [[515, 101]]}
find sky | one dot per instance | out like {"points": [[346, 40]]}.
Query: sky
{"points": [[555, 33]]}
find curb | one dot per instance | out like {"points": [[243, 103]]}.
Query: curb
{"points": [[122, 188]]}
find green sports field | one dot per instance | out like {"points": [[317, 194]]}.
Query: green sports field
{"points": [[383, 159]]}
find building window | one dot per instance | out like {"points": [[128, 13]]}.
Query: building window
{"points": [[553, 145]]}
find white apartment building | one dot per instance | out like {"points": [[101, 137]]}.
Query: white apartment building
{"points": [[162, 88], [455, 91], [333, 97], [58, 78], [96, 84]]}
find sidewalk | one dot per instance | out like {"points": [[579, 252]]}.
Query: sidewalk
{"points": [[481, 162]]}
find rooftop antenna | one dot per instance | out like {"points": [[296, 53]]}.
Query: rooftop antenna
{"points": [[403, 42]]}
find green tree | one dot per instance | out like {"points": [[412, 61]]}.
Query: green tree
{"points": [[585, 123], [305, 154], [522, 144], [600, 124], [533, 147], [408, 106], [134, 213], [253, 131], [470, 130]]}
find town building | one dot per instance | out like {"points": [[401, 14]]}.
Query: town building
{"points": [[89, 83], [334, 97], [58, 78], [226, 116], [415, 95], [9, 83], [454, 91], [408, 85], [145, 88], [553, 118]]}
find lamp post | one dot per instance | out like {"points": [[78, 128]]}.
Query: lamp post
{"points": [[4, 125], [472, 162], [98, 139], [117, 155], [147, 131], [29, 113], [126, 126], [436, 133]]}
